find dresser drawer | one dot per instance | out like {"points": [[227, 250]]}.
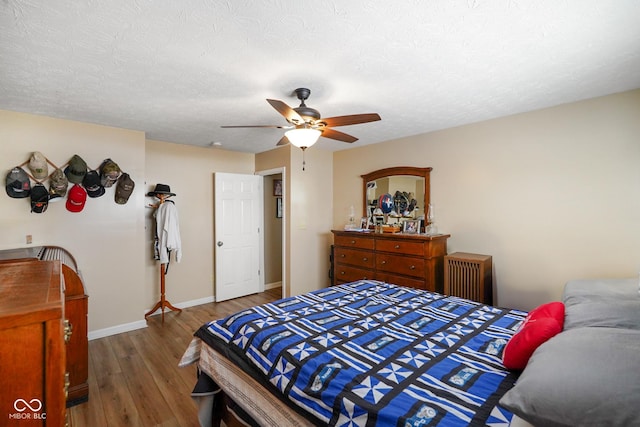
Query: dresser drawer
{"points": [[414, 261], [400, 264], [346, 273], [354, 257], [403, 281], [400, 247], [355, 241]]}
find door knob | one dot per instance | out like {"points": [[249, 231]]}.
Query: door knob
{"points": [[220, 243]]}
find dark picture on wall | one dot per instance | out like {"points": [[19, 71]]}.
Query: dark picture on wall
{"points": [[277, 187]]}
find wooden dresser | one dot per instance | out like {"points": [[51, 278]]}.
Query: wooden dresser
{"points": [[76, 310], [32, 344], [413, 260]]}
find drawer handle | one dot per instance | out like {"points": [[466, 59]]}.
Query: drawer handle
{"points": [[342, 273], [353, 242], [68, 330], [397, 246], [365, 259], [342, 255], [413, 267], [383, 262], [67, 383]]}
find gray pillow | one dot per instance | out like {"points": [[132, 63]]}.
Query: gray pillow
{"points": [[623, 288], [610, 303], [581, 377], [603, 312]]}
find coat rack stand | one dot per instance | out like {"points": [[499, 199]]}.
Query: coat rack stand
{"points": [[163, 301]]}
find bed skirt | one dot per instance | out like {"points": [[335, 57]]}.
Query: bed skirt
{"points": [[240, 388]]}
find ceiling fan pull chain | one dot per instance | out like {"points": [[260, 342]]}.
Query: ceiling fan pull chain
{"points": [[303, 161]]}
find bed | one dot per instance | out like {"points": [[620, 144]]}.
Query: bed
{"points": [[362, 353], [370, 353]]}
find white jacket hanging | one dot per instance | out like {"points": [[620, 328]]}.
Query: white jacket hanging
{"points": [[168, 232]]}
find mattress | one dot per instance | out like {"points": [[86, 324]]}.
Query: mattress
{"points": [[363, 353]]}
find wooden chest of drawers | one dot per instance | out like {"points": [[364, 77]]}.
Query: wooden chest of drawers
{"points": [[32, 344], [75, 309], [410, 260]]}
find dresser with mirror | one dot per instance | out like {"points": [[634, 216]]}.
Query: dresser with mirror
{"points": [[409, 259]]}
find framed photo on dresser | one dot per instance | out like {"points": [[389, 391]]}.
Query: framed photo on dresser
{"points": [[411, 226]]}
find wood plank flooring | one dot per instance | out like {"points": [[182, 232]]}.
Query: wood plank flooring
{"points": [[134, 378]]}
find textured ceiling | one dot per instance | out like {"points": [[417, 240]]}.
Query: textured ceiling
{"points": [[178, 70]]}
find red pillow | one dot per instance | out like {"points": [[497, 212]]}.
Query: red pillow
{"points": [[540, 325]]}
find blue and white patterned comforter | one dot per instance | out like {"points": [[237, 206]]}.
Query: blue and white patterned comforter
{"points": [[369, 353]]}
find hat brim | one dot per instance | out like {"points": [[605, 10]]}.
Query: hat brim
{"points": [[155, 193], [96, 193], [72, 207]]}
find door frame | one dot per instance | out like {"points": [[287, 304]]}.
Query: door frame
{"points": [[285, 286]]}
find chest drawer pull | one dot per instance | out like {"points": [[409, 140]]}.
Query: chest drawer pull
{"points": [[397, 246], [342, 255], [353, 242], [383, 262], [365, 259], [413, 267]]}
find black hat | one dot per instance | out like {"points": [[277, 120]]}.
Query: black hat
{"points": [[39, 198], [18, 185], [161, 189], [91, 183]]}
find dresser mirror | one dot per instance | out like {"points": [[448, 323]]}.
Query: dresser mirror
{"points": [[401, 192]]}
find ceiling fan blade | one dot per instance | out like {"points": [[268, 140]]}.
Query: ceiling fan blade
{"points": [[353, 119], [340, 136], [283, 141], [289, 113], [258, 126]]}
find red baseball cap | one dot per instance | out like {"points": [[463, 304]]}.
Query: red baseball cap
{"points": [[76, 198]]}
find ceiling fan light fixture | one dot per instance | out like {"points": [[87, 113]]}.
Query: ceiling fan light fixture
{"points": [[303, 137]]}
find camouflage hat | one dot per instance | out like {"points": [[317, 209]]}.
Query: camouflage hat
{"points": [[124, 188], [18, 184], [109, 173], [38, 165], [76, 170], [58, 184]]}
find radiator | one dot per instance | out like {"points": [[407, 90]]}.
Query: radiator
{"points": [[468, 276]]}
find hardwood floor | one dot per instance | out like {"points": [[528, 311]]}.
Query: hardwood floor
{"points": [[134, 378]]}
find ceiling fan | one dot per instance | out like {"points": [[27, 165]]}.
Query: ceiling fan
{"points": [[306, 125]]}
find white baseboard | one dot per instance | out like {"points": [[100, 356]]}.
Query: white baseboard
{"points": [[118, 329], [127, 327], [273, 285], [185, 304]]}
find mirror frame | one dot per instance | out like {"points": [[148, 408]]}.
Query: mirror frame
{"points": [[399, 170]]}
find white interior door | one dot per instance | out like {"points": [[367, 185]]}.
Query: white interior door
{"points": [[238, 216]]}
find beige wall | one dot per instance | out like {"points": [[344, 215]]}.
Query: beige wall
{"points": [[113, 243], [189, 171], [105, 238], [552, 195], [311, 205], [307, 214]]}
